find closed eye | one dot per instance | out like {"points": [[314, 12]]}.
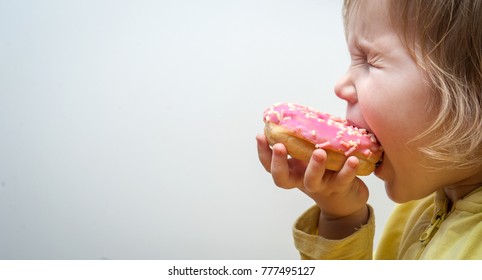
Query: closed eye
{"points": [[374, 61], [363, 61]]}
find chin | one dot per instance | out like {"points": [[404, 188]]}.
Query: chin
{"points": [[399, 194], [395, 196]]}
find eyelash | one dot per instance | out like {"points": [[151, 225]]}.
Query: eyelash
{"points": [[364, 59], [370, 62]]}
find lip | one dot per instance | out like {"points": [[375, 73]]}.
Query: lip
{"points": [[379, 165], [354, 124]]}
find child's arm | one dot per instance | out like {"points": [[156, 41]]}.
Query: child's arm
{"points": [[357, 246], [341, 196]]}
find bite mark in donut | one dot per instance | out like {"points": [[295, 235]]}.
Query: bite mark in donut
{"points": [[303, 129]]}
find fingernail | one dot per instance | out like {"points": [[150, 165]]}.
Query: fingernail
{"points": [[317, 157], [353, 162], [278, 149]]}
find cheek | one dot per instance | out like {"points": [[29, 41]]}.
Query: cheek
{"points": [[397, 111]]}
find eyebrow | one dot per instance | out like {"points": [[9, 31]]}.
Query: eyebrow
{"points": [[362, 44], [366, 45]]}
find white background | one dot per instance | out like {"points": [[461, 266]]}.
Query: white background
{"points": [[127, 128]]}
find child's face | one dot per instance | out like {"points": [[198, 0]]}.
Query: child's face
{"points": [[388, 94]]}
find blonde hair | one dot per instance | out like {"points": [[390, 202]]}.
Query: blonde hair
{"points": [[447, 36]]}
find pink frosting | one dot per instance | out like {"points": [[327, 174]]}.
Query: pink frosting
{"points": [[325, 131]]}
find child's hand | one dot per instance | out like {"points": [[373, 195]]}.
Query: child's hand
{"points": [[341, 196]]}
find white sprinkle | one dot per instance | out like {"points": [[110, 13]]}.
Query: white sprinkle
{"points": [[345, 144], [323, 145], [368, 153], [351, 150], [278, 115]]}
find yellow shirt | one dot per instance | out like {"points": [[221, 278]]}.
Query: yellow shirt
{"points": [[421, 229]]}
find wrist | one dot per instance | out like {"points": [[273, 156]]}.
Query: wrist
{"points": [[339, 227]]}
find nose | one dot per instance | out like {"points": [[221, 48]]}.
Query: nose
{"points": [[345, 89]]}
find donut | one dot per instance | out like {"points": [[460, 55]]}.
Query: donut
{"points": [[302, 129]]}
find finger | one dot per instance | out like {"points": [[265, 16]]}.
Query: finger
{"points": [[315, 171], [348, 172], [280, 169], [264, 152]]}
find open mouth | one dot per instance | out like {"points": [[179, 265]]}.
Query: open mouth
{"points": [[369, 132], [379, 163]]}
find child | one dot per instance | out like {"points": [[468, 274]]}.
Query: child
{"points": [[415, 81]]}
